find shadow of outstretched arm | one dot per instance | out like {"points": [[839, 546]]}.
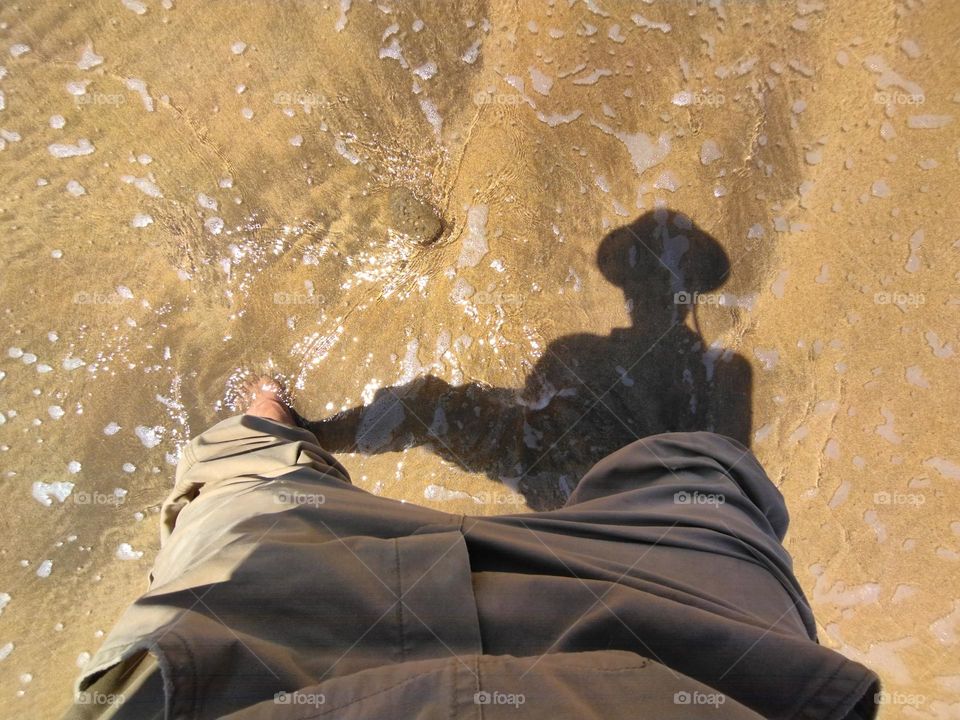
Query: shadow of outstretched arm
{"points": [[475, 426]]}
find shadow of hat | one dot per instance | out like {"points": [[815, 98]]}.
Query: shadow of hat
{"points": [[635, 257]]}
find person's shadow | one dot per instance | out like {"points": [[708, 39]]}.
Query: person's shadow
{"points": [[588, 395]]}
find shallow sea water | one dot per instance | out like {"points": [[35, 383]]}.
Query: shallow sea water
{"points": [[483, 244]]}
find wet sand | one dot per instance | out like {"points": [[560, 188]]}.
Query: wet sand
{"points": [[483, 246]]}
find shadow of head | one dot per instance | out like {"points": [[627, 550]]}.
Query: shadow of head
{"points": [[662, 258]]}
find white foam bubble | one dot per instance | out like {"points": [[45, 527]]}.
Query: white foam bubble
{"points": [[126, 552], [767, 357], [149, 436], [666, 180], [144, 185], [880, 189], [45, 493], [778, 288], [541, 82], [709, 152], [63, 150], [89, 59], [941, 348], [887, 77], [76, 189], [342, 19], [433, 115], [426, 71], [440, 493], [77, 87], [140, 87], [886, 430], [915, 376], [554, 119], [945, 467], [472, 52], [135, 6], [928, 122], [474, 246], [913, 261], [640, 21], [644, 151], [393, 52], [593, 77], [214, 225], [910, 48]]}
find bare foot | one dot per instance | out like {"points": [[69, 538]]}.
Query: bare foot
{"points": [[264, 395]]}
